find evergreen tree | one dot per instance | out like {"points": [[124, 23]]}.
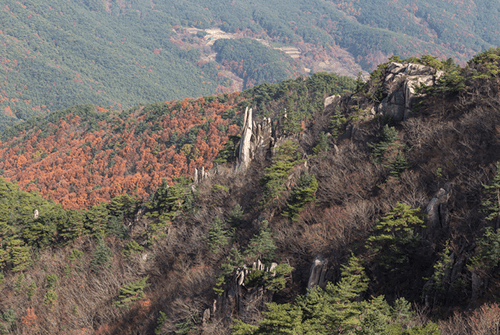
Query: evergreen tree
{"points": [[291, 119], [20, 255], [96, 219], [132, 292], [100, 256], [491, 198], [301, 195], [262, 246], [236, 216], [218, 236], [489, 247], [398, 165], [321, 144], [389, 136], [286, 158], [132, 248], [396, 245]]}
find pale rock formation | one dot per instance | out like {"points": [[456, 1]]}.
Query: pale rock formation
{"points": [[272, 268], [246, 136], [200, 175], [400, 86], [254, 136], [333, 99], [260, 266], [195, 176]]}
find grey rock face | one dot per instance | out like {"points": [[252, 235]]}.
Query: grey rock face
{"points": [[437, 210], [400, 86], [238, 300], [318, 272]]}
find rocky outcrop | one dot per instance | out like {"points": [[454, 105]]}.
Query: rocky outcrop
{"points": [[317, 275], [334, 99], [200, 175], [238, 300], [437, 210], [255, 136], [400, 84]]}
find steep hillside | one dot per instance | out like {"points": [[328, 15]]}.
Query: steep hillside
{"points": [[121, 53], [378, 215]]}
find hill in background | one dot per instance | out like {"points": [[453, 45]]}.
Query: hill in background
{"points": [[121, 53]]}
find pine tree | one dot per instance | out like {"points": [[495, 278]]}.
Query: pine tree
{"points": [[396, 241], [322, 144], [132, 292], [236, 216], [291, 119], [20, 255], [286, 158], [301, 195], [100, 256], [262, 246], [398, 165], [132, 248], [218, 236], [389, 136], [491, 198]]}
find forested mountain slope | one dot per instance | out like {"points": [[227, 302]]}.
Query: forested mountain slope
{"points": [[377, 214], [84, 155], [122, 53]]}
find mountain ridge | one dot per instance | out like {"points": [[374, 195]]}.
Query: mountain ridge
{"points": [[394, 209]]}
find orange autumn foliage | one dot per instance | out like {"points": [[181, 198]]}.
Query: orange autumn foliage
{"points": [[30, 318], [79, 162]]}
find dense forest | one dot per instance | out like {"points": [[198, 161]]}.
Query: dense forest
{"points": [[118, 54], [254, 62], [348, 219]]}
